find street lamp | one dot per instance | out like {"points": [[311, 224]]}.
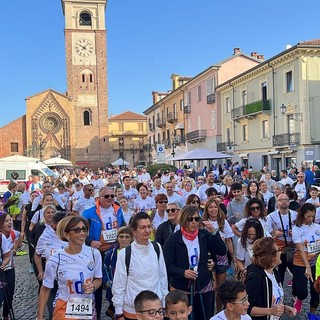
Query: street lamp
{"points": [[297, 116], [121, 149], [133, 156], [173, 144], [149, 149]]}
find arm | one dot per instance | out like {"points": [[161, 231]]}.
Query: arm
{"points": [[230, 248], [308, 273], [215, 244], [163, 278], [42, 302], [236, 230], [38, 263], [23, 222]]}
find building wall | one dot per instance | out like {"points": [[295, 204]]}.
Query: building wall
{"points": [[13, 132]]}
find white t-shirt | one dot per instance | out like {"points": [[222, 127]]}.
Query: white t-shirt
{"points": [[76, 196], [263, 222], [72, 271], [277, 290], [6, 246], [244, 254], [193, 251], [10, 246], [221, 316], [202, 190], [109, 224], [49, 243], [176, 198], [38, 216], [144, 205], [157, 220], [83, 204], [301, 190], [97, 185], [131, 195], [156, 191]]}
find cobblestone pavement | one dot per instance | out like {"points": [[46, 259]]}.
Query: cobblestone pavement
{"points": [[25, 300]]}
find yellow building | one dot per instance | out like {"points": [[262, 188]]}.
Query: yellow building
{"points": [[128, 138]]}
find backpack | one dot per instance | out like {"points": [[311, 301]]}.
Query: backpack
{"points": [[128, 254]]}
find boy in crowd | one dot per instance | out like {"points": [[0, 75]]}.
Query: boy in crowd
{"points": [[148, 306], [234, 297], [177, 305]]}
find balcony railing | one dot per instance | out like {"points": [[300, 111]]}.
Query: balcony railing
{"points": [[251, 109], [151, 127], [128, 132], [178, 139], [286, 139], [211, 98], [187, 109], [196, 136], [172, 117], [161, 122], [221, 146]]}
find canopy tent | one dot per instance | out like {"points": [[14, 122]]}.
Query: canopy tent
{"points": [[18, 158], [120, 162], [200, 154], [57, 162]]}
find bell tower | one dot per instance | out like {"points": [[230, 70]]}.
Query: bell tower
{"points": [[87, 85]]}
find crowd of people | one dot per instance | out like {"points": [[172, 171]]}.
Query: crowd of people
{"points": [[182, 244]]}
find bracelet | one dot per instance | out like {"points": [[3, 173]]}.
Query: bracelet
{"points": [[118, 316]]}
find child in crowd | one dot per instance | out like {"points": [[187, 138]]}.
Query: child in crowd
{"points": [[314, 194], [148, 306], [177, 305], [124, 208], [235, 299]]}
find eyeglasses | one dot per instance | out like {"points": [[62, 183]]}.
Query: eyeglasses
{"points": [[255, 209], [78, 230], [300, 176], [90, 190], [107, 196], [154, 312], [172, 210], [122, 236], [243, 301], [196, 219], [163, 201], [194, 201]]}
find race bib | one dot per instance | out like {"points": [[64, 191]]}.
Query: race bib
{"points": [[313, 247], [79, 308], [109, 235]]}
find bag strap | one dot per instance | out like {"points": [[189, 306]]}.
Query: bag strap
{"points": [[290, 225]]}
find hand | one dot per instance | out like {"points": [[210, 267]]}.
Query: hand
{"points": [[208, 225], [308, 273], [290, 310], [210, 264], [40, 276], [88, 287], [190, 274], [95, 244], [277, 233], [277, 310]]}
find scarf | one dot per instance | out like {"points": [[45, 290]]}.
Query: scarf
{"points": [[188, 235]]}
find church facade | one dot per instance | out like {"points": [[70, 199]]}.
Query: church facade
{"points": [[73, 125]]}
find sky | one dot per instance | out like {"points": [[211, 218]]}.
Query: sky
{"points": [[147, 41]]}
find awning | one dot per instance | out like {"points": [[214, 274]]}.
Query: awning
{"points": [[271, 153], [179, 126], [243, 155], [288, 151]]}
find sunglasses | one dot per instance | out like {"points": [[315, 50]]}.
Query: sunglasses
{"points": [[196, 219], [122, 236], [255, 209], [163, 201], [90, 190], [78, 230], [172, 210], [194, 201], [107, 196]]}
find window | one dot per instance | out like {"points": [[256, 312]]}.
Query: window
{"points": [[140, 126], [189, 98], [228, 136], [199, 93], [181, 105], [14, 147], [210, 86], [85, 19], [264, 94], [91, 78], [159, 138], [83, 78], [289, 81], [228, 107], [87, 118], [120, 126], [174, 107], [245, 132], [167, 112], [265, 129], [244, 97]]}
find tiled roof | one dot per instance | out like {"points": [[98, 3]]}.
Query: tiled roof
{"points": [[128, 115], [315, 42]]}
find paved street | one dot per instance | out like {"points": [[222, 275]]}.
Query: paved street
{"points": [[25, 302]]}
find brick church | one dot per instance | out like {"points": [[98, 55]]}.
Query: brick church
{"points": [[73, 125]]}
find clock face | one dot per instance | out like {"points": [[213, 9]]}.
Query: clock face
{"points": [[84, 47]]}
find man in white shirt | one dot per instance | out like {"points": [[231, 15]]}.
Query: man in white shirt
{"points": [[144, 176], [85, 202], [284, 178], [158, 187], [209, 183], [97, 184], [146, 271], [130, 193], [173, 197]]}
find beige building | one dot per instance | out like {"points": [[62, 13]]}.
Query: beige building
{"points": [[270, 111], [128, 138]]}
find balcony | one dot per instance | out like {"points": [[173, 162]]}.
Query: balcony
{"points": [[196, 136], [251, 109], [128, 133], [211, 98], [178, 139], [221, 146], [172, 117], [286, 139], [161, 122], [187, 109], [151, 127]]}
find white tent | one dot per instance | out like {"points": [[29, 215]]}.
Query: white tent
{"points": [[53, 162], [200, 154], [120, 162], [18, 158]]}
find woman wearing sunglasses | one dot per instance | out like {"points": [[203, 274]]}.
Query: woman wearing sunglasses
{"points": [[186, 253], [194, 200], [263, 285], [160, 216], [78, 271], [168, 227]]}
